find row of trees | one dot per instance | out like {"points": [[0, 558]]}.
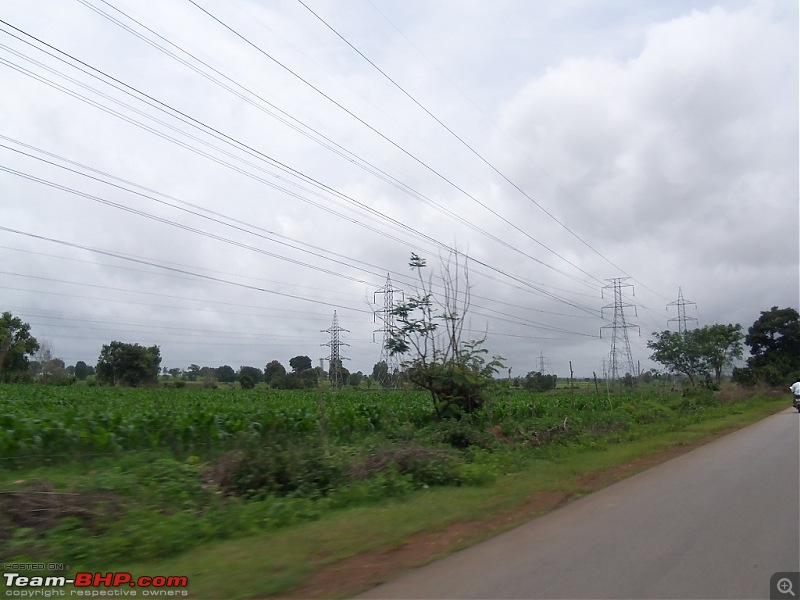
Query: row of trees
{"points": [[429, 336], [703, 354]]}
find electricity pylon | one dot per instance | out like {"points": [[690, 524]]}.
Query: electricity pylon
{"points": [[681, 319], [387, 318], [620, 355], [335, 360], [542, 366]]}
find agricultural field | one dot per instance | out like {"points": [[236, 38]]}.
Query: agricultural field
{"points": [[97, 474]]}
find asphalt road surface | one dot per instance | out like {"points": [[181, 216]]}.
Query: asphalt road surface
{"points": [[716, 522]]}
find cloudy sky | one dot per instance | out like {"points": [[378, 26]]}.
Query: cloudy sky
{"points": [[218, 178]]}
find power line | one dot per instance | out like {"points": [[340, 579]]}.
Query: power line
{"points": [[177, 270], [474, 152], [252, 151], [389, 140], [532, 286]]}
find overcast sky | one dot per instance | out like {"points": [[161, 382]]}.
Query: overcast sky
{"points": [[218, 177]]}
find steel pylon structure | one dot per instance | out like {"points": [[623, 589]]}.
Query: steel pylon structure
{"points": [[335, 359], [386, 315], [681, 319], [620, 356]]}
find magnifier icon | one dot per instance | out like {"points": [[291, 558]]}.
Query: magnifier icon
{"points": [[784, 586]]}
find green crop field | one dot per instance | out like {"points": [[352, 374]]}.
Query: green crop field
{"points": [[62, 422], [105, 475]]}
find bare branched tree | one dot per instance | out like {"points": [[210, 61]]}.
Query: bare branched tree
{"points": [[430, 330]]}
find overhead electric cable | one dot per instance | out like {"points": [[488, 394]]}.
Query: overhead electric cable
{"points": [[473, 151], [177, 270], [240, 145], [386, 138]]}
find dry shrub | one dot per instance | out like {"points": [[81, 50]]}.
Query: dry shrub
{"points": [[730, 392], [408, 459], [40, 507]]}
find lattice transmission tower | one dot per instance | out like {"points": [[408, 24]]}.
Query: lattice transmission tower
{"points": [[386, 316], [620, 356], [335, 359], [542, 363], [681, 319]]}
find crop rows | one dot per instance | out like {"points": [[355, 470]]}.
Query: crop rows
{"points": [[70, 421], [47, 420]]}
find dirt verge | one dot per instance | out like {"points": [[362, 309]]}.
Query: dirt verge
{"points": [[355, 574]]}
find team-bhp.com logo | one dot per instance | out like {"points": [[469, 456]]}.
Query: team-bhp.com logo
{"points": [[95, 585]]}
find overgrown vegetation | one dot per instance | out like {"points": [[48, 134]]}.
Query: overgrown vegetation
{"points": [[429, 330]]}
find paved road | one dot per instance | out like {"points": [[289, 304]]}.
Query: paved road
{"points": [[716, 522]]}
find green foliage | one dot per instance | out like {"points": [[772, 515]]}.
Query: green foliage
{"points": [[300, 363], [82, 370], [188, 466], [698, 353], [128, 364], [257, 375], [16, 345], [274, 371], [277, 466], [537, 382], [774, 341], [225, 374], [455, 372]]}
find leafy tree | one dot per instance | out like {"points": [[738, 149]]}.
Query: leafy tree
{"points": [[257, 375], [300, 363], [429, 328], [698, 352], [175, 373], [720, 346], [535, 381], [193, 372], [308, 378], [295, 381], [380, 373], [225, 374], [16, 344], [246, 382], [278, 381], [677, 351], [273, 369], [128, 364], [82, 370], [356, 379], [774, 341], [338, 374]]}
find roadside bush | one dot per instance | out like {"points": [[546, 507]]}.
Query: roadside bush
{"points": [[424, 466], [463, 433], [276, 467]]}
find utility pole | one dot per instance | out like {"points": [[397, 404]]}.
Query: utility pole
{"points": [[681, 319], [541, 363], [387, 318], [335, 360], [620, 356]]}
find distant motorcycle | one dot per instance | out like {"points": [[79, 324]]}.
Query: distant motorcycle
{"points": [[796, 403]]}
